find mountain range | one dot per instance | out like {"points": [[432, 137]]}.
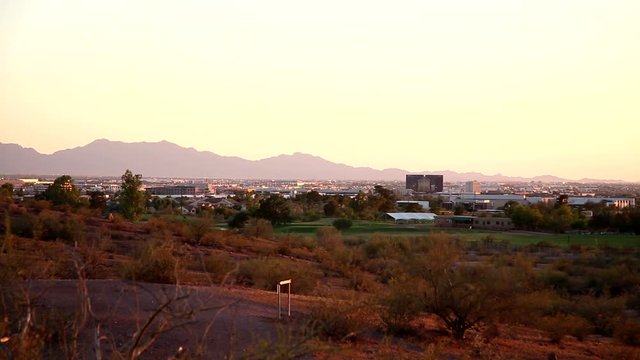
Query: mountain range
{"points": [[164, 159]]}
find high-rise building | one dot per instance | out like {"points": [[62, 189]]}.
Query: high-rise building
{"points": [[425, 183], [472, 187]]}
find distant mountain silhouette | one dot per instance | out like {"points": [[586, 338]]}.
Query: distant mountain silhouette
{"points": [[164, 159]]}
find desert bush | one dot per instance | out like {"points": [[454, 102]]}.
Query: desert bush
{"points": [[301, 242], [156, 264], [329, 238], [22, 225], [633, 301], [463, 297], [388, 247], [214, 238], [603, 312], [73, 230], [560, 325], [41, 205], [265, 273], [627, 331], [340, 261], [530, 307], [401, 305], [340, 320], [284, 248], [50, 224], [384, 269], [218, 266], [258, 228], [556, 280], [157, 225], [361, 280], [198, 228]]}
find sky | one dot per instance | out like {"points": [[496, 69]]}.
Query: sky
{"points": [[522, 88]]}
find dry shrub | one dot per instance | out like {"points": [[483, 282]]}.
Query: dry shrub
{"points": [[259, 228], [401, 305], [329, 238], [48, 225], [361, 281], [384, 269], [340, 261], [603, 311], [21, 225], [157, 263], [198, 228], [558, 326], [340, 320], [73, 230], [265, 273], [529, 308], [41, 205], [214, 238], [627, 331], [218, 266], [157, 225]]}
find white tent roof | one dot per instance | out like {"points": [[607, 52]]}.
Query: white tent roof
{"points": [[412, 216]]}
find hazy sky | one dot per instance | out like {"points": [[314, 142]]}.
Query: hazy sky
{"points": [[517, 87]]}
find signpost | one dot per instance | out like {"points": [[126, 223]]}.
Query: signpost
{"points": [[284, 282]]}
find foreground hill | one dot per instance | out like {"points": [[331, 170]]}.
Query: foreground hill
{"points": [[165, 159]]}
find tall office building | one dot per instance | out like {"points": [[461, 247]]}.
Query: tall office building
{"points": [[472, 187], [425, 183]]}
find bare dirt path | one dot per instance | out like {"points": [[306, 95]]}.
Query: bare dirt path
{"points": [[225, 320]]}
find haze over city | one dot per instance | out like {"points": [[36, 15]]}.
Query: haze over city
{"points": [[513, 87]]}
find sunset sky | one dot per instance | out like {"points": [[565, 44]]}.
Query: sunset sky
{"points": [[496, 86]]}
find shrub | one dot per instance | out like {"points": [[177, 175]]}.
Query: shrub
{"points": [[329, 238], [21, 225], [218, 266], [530, 307], [73, 230], [342, 224], [156, 264], [556, 280], [258, 228], [401, 305], [628, 332], [603, 311], [558, 326], [384, 269], [361, 281], [215, 238], [198, 228], [340, 320], [265, 273], [50, 225]]}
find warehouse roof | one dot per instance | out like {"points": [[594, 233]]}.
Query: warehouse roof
{"points": [[412, 216]]}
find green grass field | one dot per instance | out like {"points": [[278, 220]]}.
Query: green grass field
{"points": [[367, 228]]}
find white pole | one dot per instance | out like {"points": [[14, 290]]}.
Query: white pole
{"points": [[289, 300], [279, 316]]}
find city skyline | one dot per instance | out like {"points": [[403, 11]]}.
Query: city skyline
{"points": [[509, 87]]}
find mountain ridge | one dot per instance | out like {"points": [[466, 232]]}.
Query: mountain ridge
{"points": [[103, 157]]}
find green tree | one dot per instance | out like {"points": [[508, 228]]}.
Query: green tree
{"points": [[383, 200], [275, 209], [525, 217], [6, 191], [414, 207], [63, 192], [97, 200], [239, 220], [131, 197], [342, 224]]}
